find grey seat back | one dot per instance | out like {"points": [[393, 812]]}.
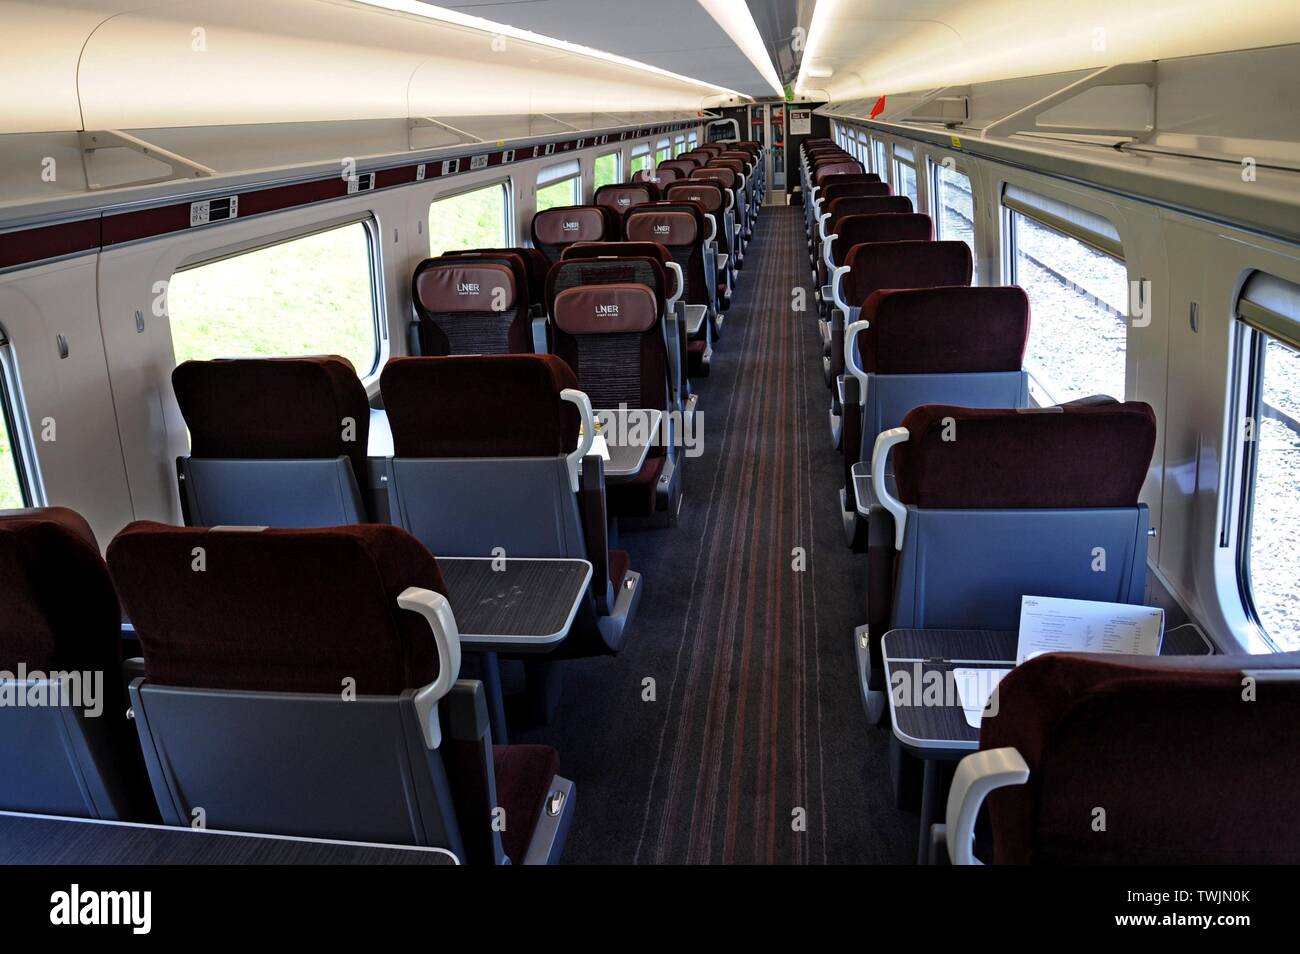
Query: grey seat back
{"points": [[269, 493]]}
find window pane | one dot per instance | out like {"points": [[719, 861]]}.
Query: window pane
{"points": [[11, 491], [310, 295], [640, 162], [882, 167], [606, 170], [564, 192], [1079, 298], [470, 220], [956, 207], [1274, 546], [906, 184]]}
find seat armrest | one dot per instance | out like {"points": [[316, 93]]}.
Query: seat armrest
{"points": [[695, 316], [541, 335], [595, 529], [723, 258], [978, 774]]}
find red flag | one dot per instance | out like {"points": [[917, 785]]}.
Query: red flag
{"points": [[879, 108]]}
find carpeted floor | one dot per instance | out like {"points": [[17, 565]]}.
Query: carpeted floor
{"points": [[729, 729]]}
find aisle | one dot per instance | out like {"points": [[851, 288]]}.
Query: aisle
{"points": [[732, 717]]}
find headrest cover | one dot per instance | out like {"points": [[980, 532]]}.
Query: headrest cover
{"points": [[660, 177], [605, 309], [841, 207], [945, 330], [534, 261], [480, 406], [980, 458], [60, 609], [667, 228], [828, 169], [833, 188], [277, 610], [623, 197], [735, 165], [705, 193], [587, 250], [914, 264], [455, 288], [726, 176], [579, 223], [271, 408], [880, 227], [1118, 731]]}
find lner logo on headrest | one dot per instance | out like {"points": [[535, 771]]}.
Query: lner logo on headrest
{"points": [[625, 200], [569, 226], [663, 230], [467, 288], [607, 311]]}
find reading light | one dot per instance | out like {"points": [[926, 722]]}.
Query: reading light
{"points": [[738, 23], [443, 15], [818, 30]]}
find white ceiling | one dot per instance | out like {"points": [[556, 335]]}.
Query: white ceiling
{"points": [[676, 35]]}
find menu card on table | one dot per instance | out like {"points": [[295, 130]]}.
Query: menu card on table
{"points": [[1050, 625]]}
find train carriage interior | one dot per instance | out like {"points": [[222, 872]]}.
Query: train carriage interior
{"points": [[683, 432]]}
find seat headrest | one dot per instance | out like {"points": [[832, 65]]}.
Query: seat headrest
{"points": [[480, 406], [667, 226], [735, 165], [535, 264], [605, 309], [587, 250], [575, 223], [1066, 456], [911, 264], [277, 610], [944, 330], [707, 194], [60, 608], [274, 408], [824, 170], [622, 196], [835, 188], [725, 176], [841, 207], [460, 286], [683, 167], [866, 228], [1129, 732], [620, 267]]}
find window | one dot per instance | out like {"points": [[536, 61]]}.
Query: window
{"points": [[955, 207], [13, 485], [881, 161], [863, 150], [664, 150], [1270, 566], [641, 159], [1071, 265], [606, 170], [478, 219], [905, 177], [310, 295], [679, 146], [559, 185], [693, 140]]}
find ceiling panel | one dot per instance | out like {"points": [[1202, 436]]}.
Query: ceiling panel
{"points": [[676, 35]]}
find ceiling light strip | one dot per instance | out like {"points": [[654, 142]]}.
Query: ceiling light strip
{"points": [[738, 23]]}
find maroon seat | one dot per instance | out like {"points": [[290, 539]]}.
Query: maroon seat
{"points": [[681, 228], [472, 305], [275, 409], [840, 207], [659, 178], [826, 168], [61, 615], [711, 198], [621, 196], [683, 167], [556, 229], [1186, 771], [944, 330], [535, 266], [914, 263], [293, 618]]}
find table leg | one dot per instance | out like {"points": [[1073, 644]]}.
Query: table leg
{"points": [[496, 702], [933, 789]]}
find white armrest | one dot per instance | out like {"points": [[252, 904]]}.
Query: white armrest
{"points": [[826, 251], [885, 440], [850, 358], [713, 227], [695, 316], [977, 774], [821, 224], [588, 438], [446, 637], [837, 277], [681, 285]]}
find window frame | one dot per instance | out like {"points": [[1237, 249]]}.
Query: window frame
{"points": [[575, 177], [374, 246], [506, 183], [663, 145], [14, 420], [1251, 337], [618, 168], [936, 166]]}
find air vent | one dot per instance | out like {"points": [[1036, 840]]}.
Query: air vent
{"points": [[214, 210]]}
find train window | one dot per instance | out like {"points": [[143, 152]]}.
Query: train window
{"points": [[476, 219], [663, 150], [1270, 311], [881, 159], [559, 185], [315, 294], [679, 146], [13, 483], [641, 159], [954, 206], [606, 170], [1070, 263], [862, 148], [905, 176], [693, 140]]}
